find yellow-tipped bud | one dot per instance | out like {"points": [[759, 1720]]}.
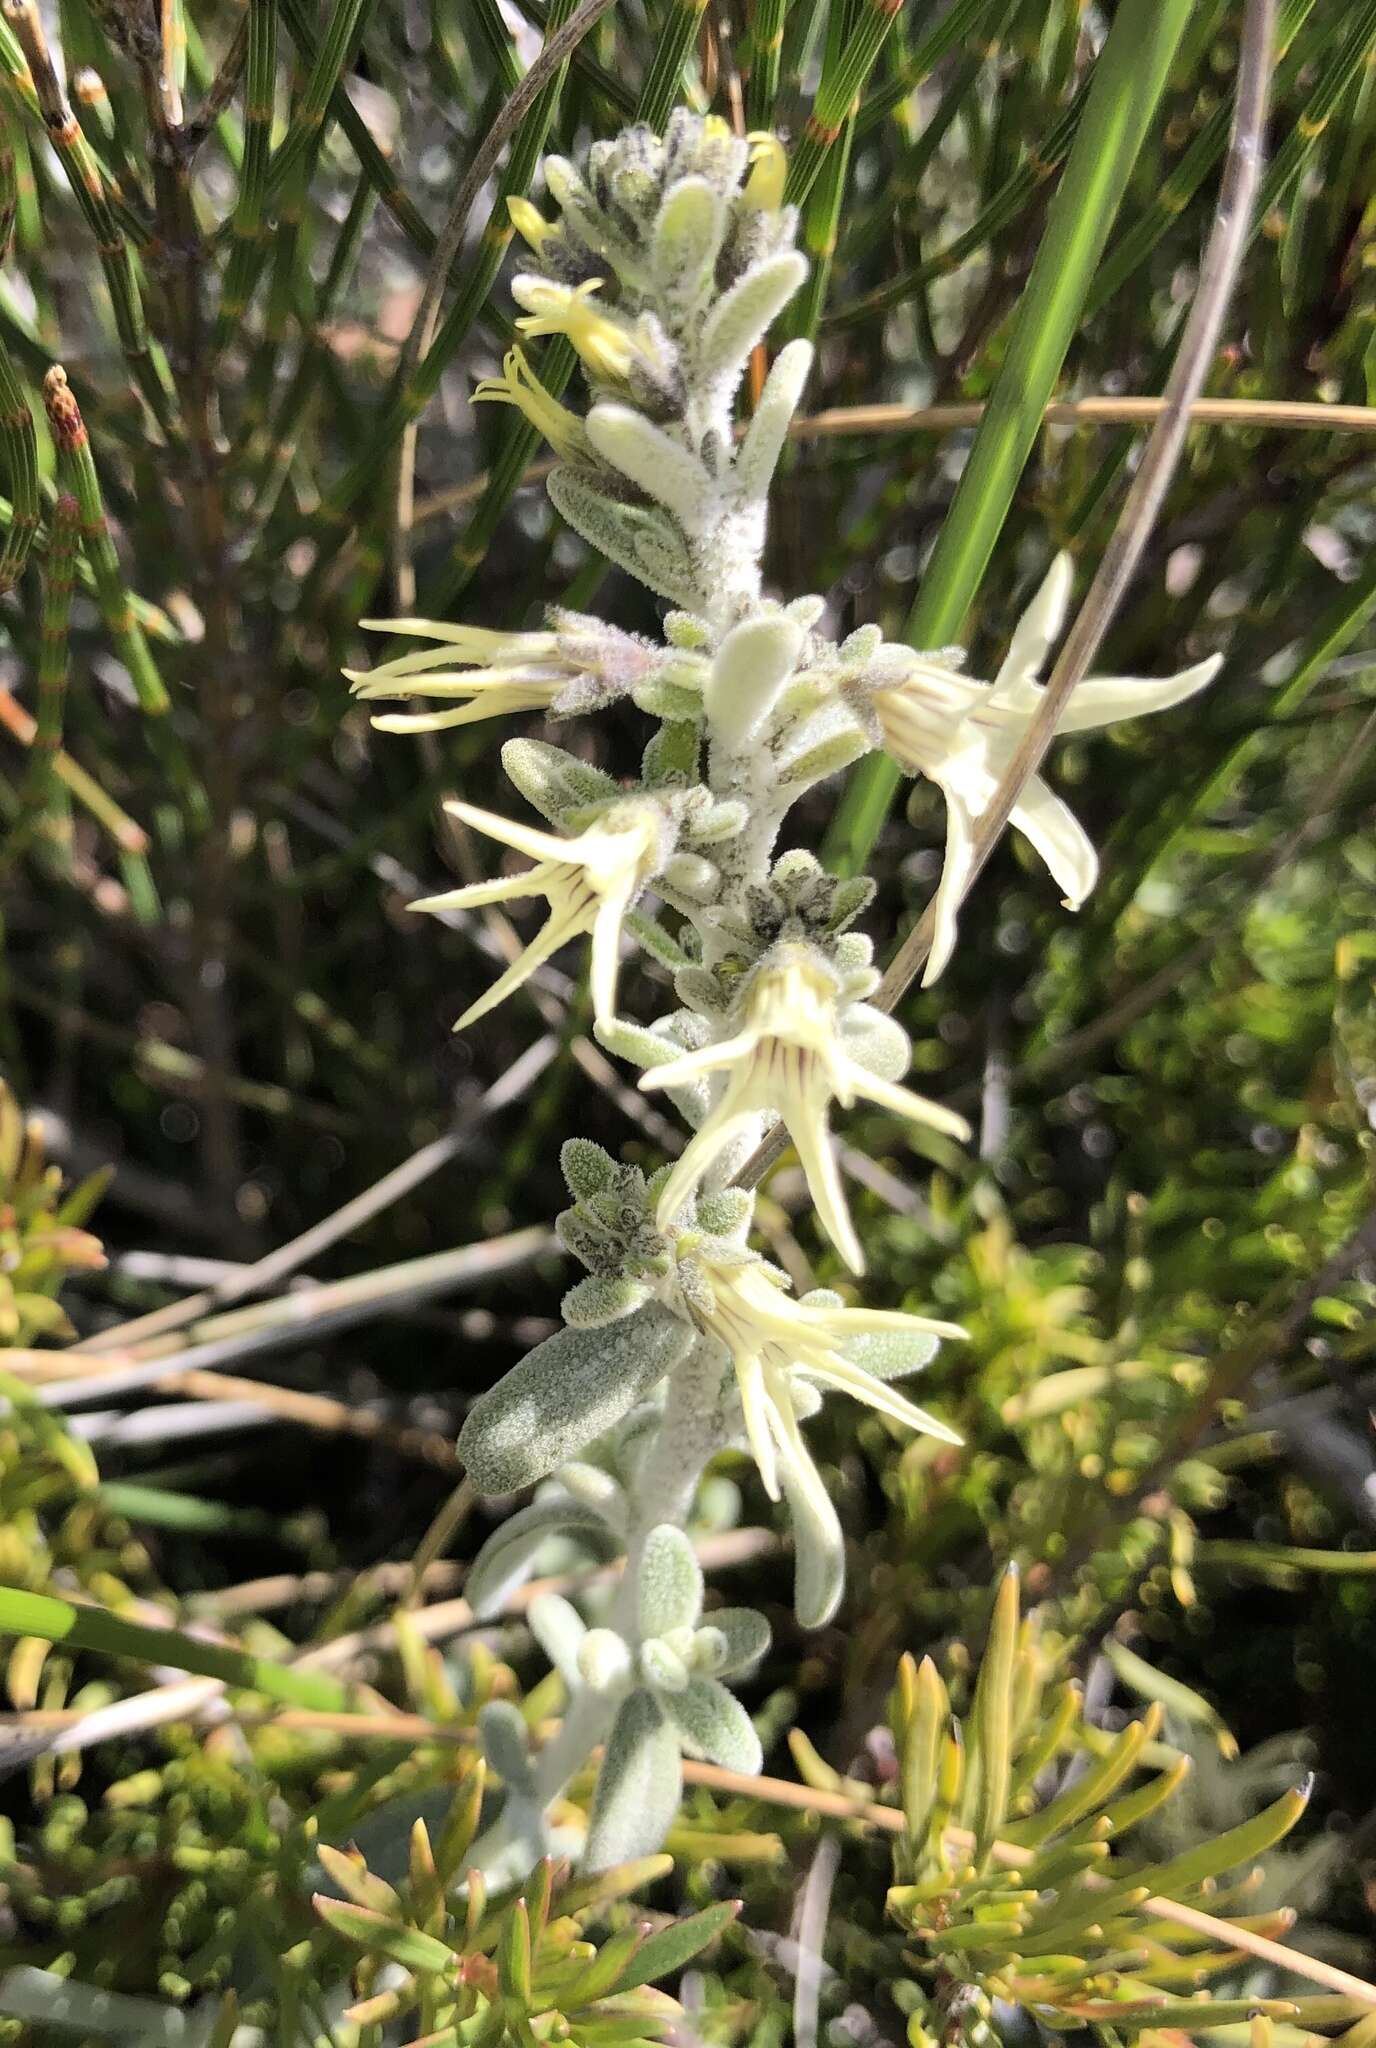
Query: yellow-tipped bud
{"points": [[529, 223], [764, 188]]}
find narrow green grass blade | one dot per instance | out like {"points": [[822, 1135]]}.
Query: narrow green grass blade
{"points": [[110, 1635], [1119, 107]]}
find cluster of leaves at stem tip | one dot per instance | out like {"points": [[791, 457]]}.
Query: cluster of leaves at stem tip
{"points": [[1011, 1884], [664, 267]]}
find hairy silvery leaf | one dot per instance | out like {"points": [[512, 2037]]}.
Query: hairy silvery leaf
{"points": [[671, 760], [564, 1393], [669, 1588], [662, 697], [586, 1168], [687, 241], [558, 1628], [653, 460], [827, 757], [876, 1042], [662, 1666], [638, 1786], [596, 1489], [509, 1551], [851, 895], [639, 538], [819, 1550], [601, 1299], [725, 819], [636, 1042], [727, 1212], [506, 1746], [658, 943], [588, 221], [634, 1440], [588, 1241], [712, 1723], [604, 1661], [753, 663], [691, 876], [745, 1638], [553, 781], [768, 430], [743, 316], [807, 1400]]}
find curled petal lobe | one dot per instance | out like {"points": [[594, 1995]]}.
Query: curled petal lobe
{"points": [[962, 734], [589, 882]]}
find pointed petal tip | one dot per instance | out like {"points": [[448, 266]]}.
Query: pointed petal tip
{"points": [[448, 900], [474, 1012]]}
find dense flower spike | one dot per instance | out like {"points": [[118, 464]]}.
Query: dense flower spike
{"points": [[962, 734], [589, 882], [788, 1060], [664, 264]]}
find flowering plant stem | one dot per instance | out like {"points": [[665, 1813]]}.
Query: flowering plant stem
{"points": [[670, 261]]}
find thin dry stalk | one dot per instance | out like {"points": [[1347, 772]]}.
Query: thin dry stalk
{"points": [[1194, 358]]}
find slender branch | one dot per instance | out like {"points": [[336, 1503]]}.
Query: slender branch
{"points": [[1304, 415], [288, 1258], [284, 1404], [1217, 278], [219, 92], [1194, 358], [558, 46]]}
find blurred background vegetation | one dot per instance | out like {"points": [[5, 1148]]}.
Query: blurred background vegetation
{"points": [[211, 997]]}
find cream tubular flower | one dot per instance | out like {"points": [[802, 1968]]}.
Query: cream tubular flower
{"points": [[962, 734], [518, 385], [589, 883], [771, 1337], [491, 673], [788, 1060], [601, 342]]}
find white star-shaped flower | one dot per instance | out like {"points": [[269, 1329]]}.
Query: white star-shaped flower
{"points": [[789, 1060], [773, 1340], [577, 663], [962, 734], [490, 673], [590, 883]]}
